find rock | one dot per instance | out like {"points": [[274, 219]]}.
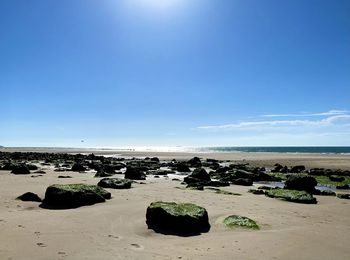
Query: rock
{"points": [[64, 177], [155, 159], [195, 186], [256, 192], [198, 175], [291, 195], [235, 221], [40, 172], [297, 169], [342, 187], [73, 195], [182, 168], [336, 178], [343, 196], [243, 182], [114, 183], [29, 196], [101, 173], [300, 182], [195, 162], [21, 169], [32, 167], [265, 188], [317, 171], [181, 218], [327, 193], [277, 168], [134, 174], [77, 167]]}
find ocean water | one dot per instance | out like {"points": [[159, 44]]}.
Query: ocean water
{"points": [[281, 149]]}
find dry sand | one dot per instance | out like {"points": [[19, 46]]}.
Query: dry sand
{"points": [[117, 229]]}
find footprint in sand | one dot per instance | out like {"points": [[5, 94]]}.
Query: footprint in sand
{"points": [[136, 247], [41, 244], [116, 237]]}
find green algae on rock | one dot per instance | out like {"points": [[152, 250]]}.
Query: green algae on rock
{"points": [[177, 218], [292, 196], [66, 196], [234, 221]]}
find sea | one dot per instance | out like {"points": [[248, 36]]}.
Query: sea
{"points": [[280, 149]]}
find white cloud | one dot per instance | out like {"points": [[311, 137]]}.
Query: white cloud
{"points": [[328, 113], [328, 121]]}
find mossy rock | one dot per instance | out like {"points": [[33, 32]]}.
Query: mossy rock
{"points": [[235, 221], [177, 218], [66, 196], [115, 183], [343, 196], [292, 196]]}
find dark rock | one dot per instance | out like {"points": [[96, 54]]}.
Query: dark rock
{"points": [[101, 173], [300, 182], [336, 178], [115, 183], [327, 193], [342, 187], [181, 219], [256, 192], [243, 182], [317, 171], [134, 174], [73, 195], [29, 196], [40, 172], [21, 169], [195, 162], [297, 169], [182, 168], [343, 196], [155, 159], [77, 167], [199, 174], [64, 177]]}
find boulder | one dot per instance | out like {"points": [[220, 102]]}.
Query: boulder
{"points": [[256, 192], [134, 174], [343, 196], [236, 221], [65, 196], [297, 169], [243, 182], [198, 175], [101, 173], [292, 196], [77, 167], [195, 162], [114, 183], [181, 218], [300, 182], [342, 187], [180, 167], [21, 169], [29, 196], [336, 178]]}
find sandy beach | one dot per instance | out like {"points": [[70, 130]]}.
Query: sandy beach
{"points": [[117, 230]]}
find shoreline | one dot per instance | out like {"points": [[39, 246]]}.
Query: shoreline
{"points": [[260, 159]]}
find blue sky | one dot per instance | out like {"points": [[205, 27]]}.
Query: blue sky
{"points": [[176, 72]]}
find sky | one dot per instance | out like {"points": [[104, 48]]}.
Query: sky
{"points": [[125, 73]]}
